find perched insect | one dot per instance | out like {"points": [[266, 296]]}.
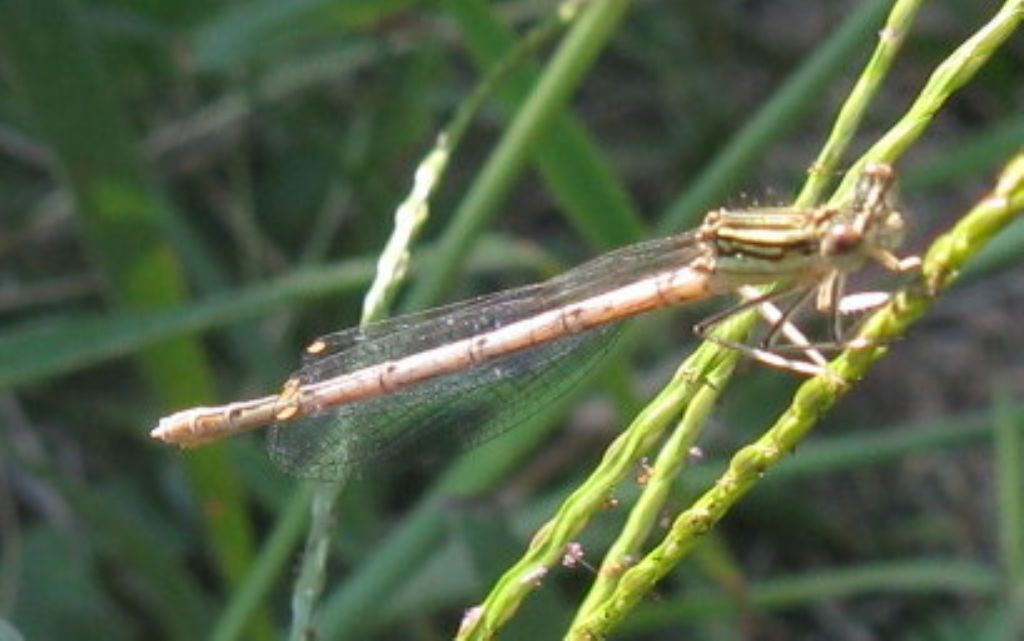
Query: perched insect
{"points": [[460, 373]]}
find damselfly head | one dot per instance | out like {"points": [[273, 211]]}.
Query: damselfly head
{"points": [[870, 224]]}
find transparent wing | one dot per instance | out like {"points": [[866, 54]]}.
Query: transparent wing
{"points": [[451, 412], [357, 347], [438, 417]]}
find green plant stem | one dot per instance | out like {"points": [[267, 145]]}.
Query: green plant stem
{"points": [[572, 165], [785, 110], [274, 557], [561, 77], [671, 458], [413, 212], [662, 477], [313, 569], [1009, 449], [484, 621], [890, 41], [549, 542], [945, 258], [651, 501], [954, 72]]}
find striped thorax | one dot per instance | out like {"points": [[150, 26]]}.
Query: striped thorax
{"points": [[757, 246]]}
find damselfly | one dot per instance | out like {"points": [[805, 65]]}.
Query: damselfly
{"points": [[462, 373]]}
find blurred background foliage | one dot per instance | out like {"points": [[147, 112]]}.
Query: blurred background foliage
{"points": [[191, 191]]}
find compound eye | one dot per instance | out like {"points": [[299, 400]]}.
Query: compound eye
{"points": [[843, 239]]}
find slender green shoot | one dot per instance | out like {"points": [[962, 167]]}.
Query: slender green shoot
{"points": [[944, 260]]}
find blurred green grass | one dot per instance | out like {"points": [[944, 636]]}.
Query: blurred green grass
{"points": [[256, 151]]}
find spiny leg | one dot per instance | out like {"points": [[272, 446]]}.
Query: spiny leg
{"points": [[815, 365], [784, 318]]}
